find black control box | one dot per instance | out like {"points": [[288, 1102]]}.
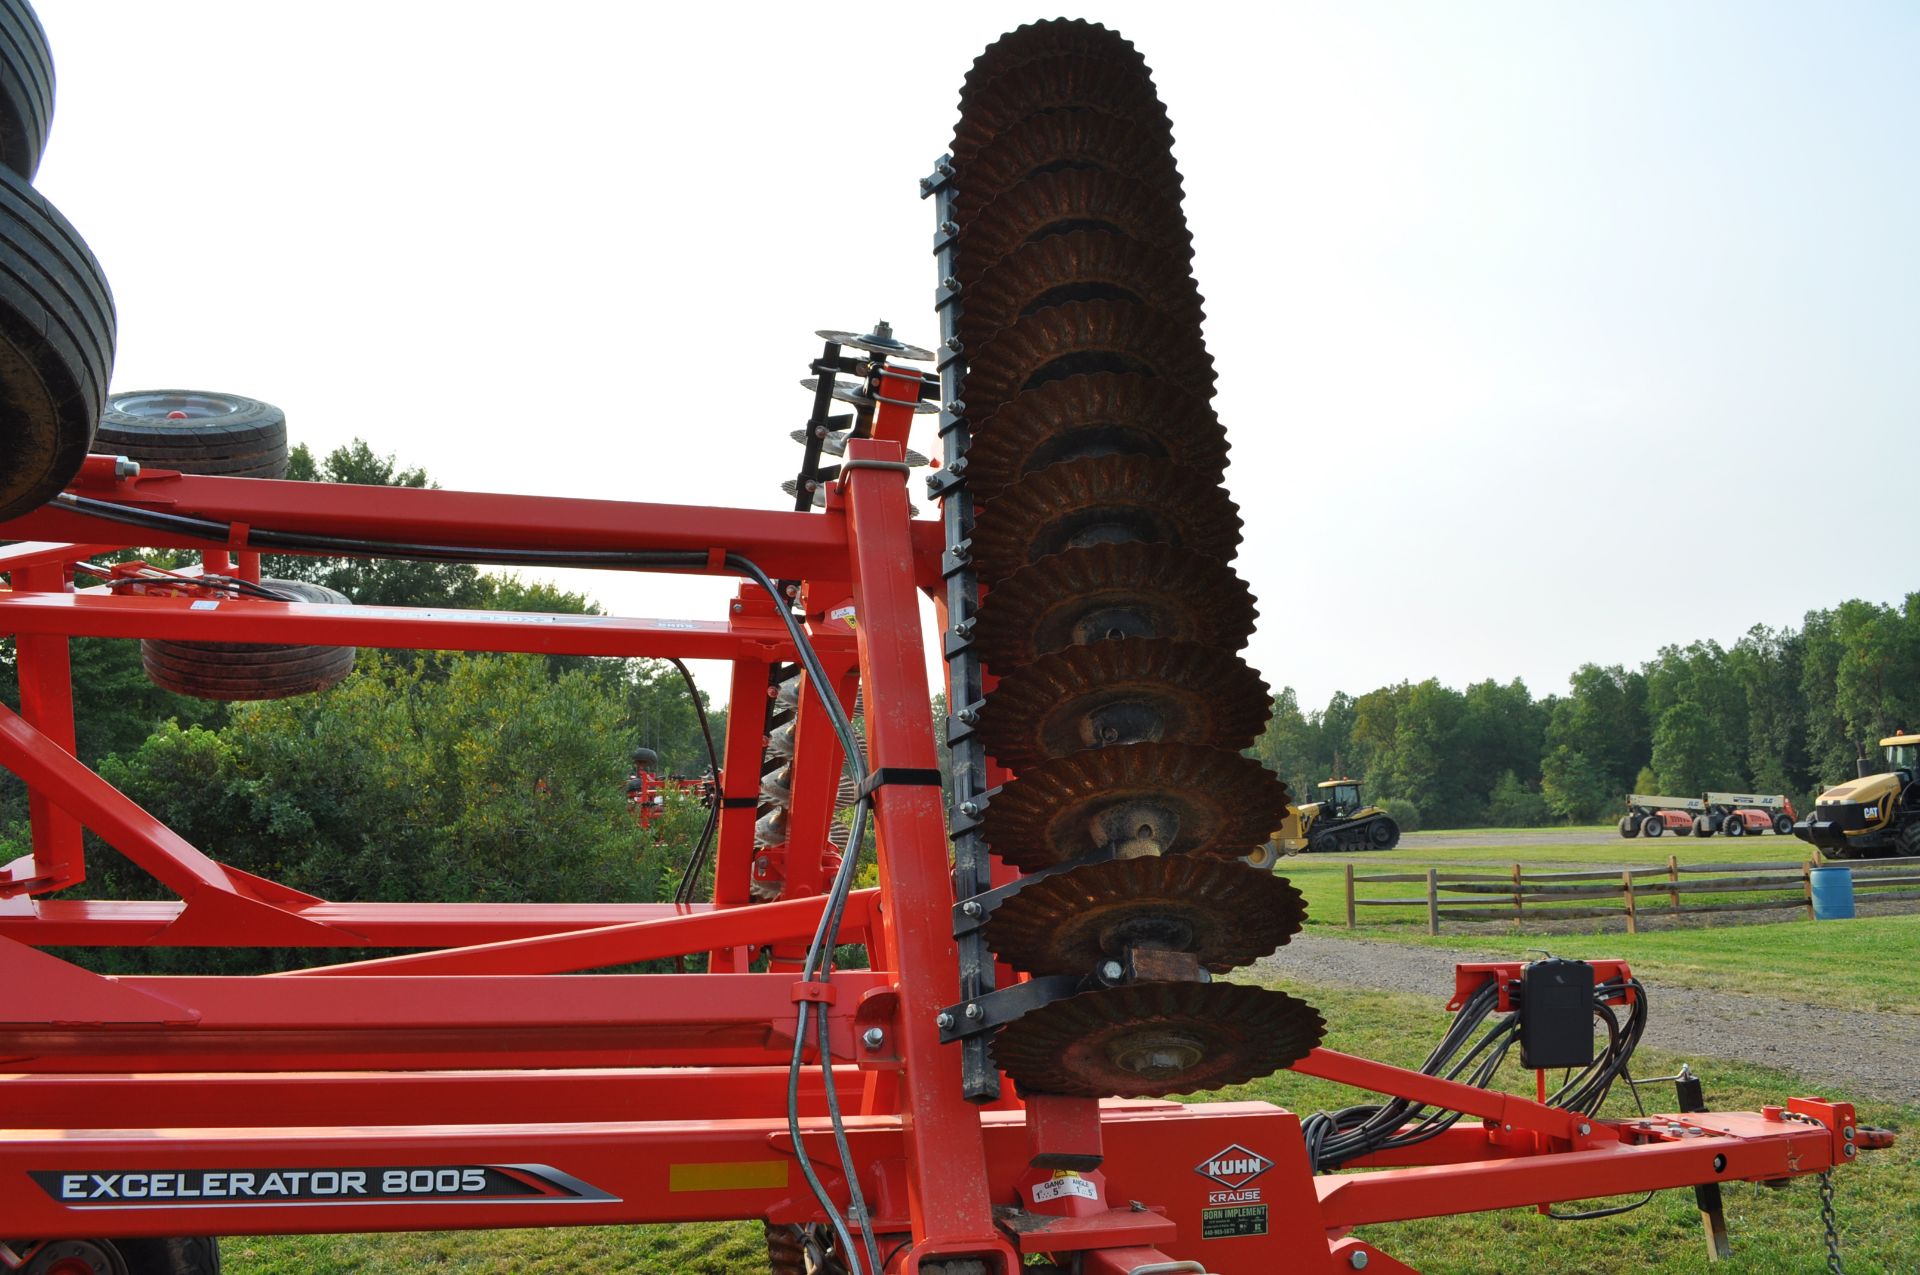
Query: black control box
{"points": [[1556, 1015]]}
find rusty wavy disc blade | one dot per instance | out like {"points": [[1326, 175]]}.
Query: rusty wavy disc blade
{"points": [[1103, 499], [1062, 82], [1222, 911], [1142, 690], [1111, 591], [1050, 38], [1147, 1040], [1066, 141], [1102, 414], [1086, 337], [1195, 800], [1069, 199], [1081, 265]]}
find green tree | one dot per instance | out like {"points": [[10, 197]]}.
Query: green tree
{"points": [[499, 781], [1690, 753]]}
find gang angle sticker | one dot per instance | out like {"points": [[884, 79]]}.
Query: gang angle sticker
{"points": [[374, 1184]]}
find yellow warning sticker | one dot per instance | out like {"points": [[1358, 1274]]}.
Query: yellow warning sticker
{"points": [[733, 1175]]}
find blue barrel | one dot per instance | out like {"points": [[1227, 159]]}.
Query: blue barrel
{"points": [[1832, 893]]}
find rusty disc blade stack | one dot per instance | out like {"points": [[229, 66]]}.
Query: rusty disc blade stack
{"points": [[1111, 615]]}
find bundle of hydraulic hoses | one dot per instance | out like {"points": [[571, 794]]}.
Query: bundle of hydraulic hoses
{"points": [[1111, 614]]}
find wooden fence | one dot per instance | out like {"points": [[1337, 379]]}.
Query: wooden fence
{"points": [[1518, 896]]}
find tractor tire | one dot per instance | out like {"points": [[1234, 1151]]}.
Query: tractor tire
{"points": [[1906, 842], [1651, 826], [1625, 825], [1783, 825], [1324, 843], [26, 89], [1684, 830], [249, 671], [1383, 834], [196, 432], [1733, 827], [175, 1255], [56, 347], [1702, 826]]}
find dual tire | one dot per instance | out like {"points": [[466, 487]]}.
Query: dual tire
{"points": [[57, 322]]}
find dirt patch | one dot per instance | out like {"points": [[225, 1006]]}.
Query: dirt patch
{"points": [[1879, 1059]]}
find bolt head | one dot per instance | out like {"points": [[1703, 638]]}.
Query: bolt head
{"points": [[1359, 1260], [956, 407], [1113, 970], [943, 1021], [873, 1038], [738, 608], [1585, 1128], [969, 808], [950, 283], [953, 343], [968, 716], [971, 908], [974, 1012]]}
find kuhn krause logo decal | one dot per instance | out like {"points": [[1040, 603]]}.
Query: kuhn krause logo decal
{"points": [[378, 1184], [1233, 1168]]}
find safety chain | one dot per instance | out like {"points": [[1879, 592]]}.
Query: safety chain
{"points": [[1828, 1218], [1832, 1224]]}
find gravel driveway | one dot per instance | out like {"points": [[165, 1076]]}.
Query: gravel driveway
{"points": [[1864, 1054]]}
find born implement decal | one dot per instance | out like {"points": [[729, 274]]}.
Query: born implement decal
{"points": [[376, 1184]]}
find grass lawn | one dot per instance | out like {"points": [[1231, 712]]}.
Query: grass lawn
{"points": [[1774, 1231], [1866, 963]]}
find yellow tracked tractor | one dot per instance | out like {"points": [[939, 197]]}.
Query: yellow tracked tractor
{"points": [[1336, 822], [1875, 815]]}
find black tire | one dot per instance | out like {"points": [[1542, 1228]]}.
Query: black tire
{"points": [[175, 1255], [1684, 830], [196, 432], [249, 671], [95, 1256], [1625, 825], [1783, 825], [1732, 826], [1383, 834], [1323, 843], [56, 347], [1702, 826], [26, 88], [1651, 826], [1906, 842]]}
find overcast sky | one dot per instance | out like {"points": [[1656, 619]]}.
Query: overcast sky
{"points": [[1546, 333]]}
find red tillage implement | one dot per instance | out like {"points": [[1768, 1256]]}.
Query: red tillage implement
{"points": [[490, 1077], [490, 1080]]}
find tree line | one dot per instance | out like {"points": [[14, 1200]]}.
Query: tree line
{"points": [[1781, 711]]}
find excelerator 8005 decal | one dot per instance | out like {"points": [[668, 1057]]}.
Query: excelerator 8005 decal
{"points": [[372, 1184]]}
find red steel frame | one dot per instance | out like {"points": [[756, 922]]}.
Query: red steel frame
{"points": [[133, 1105]]}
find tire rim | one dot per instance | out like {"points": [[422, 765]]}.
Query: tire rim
{"points": [[164, 406], [78, 1257]]}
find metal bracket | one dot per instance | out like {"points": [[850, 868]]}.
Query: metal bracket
{"points": [[972, 914], [997, 1008]]}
